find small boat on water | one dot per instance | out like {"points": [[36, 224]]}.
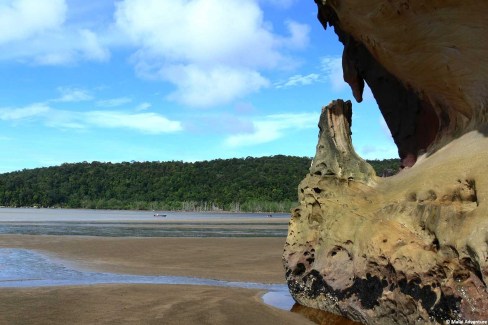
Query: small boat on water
{"points": [[159, 215]]}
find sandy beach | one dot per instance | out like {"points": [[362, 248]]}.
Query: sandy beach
{"points": [[232, 259], [139, 304], [236, 259]]}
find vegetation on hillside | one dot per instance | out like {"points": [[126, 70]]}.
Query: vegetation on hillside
{"points": [[248, 184], [385, 167]]}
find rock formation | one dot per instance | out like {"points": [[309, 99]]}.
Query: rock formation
{"points": [[320, 317], [413, 247], [425, 62]]}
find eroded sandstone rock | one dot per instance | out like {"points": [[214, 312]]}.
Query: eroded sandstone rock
{"points": [[412, 248], [335, 153], [426, 63], [404, 249]]}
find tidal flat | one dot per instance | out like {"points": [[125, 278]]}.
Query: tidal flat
{"points": [[98, 268], [115, 223]]}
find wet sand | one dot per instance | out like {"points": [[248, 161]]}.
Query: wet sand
{"points": [[234, 259], [140, 304]]}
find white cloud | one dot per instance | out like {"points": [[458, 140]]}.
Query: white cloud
{"points": [[383, 146], [91, 47], [13, 114], [209, 40], [114, 102], [63, 119], [69, 94], [384, 151], [201, 87], [149, 123], [35, 32], [22, 19], [62, 47], [63, 58], [143, 107], [299, 34], [65, 46], [206, 40], [272, 127], [332, 67], [333, 74], [203, 31], [330, 72], [299, 80]]}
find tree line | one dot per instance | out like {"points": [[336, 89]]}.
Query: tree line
{"points": [[247, 184]]}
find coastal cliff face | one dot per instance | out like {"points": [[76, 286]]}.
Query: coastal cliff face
{"points": [[412, 247]]}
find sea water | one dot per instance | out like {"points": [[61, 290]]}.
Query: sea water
{"points": [[26, 268], [120, 223], [39, 215]]}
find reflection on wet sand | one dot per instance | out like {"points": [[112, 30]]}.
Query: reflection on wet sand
{"points": [[321, 317], [25, 268], [98, 263]]}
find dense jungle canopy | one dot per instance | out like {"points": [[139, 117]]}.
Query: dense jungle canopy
{"points": [[246, 184]]}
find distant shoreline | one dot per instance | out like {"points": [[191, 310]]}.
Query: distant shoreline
{"points": [[143, 210], [262, 185]]}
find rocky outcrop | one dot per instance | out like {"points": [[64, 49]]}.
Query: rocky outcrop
{"points": [[411, 248], [402, 249], [335, 153], [320, 317]]}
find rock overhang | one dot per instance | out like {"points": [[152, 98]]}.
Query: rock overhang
{"points": [[425, 62], [413, 247]]}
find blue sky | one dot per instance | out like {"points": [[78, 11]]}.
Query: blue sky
{"points": [[159, 80]]}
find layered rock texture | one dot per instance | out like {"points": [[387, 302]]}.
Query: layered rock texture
{"points": [[425, 61], [412, 248]]}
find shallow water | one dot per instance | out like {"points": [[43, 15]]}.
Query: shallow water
{"points": [[116, 230], [39, 215], [117, 223], [25, 268]]}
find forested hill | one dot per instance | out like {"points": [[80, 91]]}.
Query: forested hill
{"points": [[250, 184]]}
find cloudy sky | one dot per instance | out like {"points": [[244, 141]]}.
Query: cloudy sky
{"points": [[159, 80]]}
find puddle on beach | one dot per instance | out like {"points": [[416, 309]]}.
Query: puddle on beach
{"points": [[20, 268], [25, 268]]}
